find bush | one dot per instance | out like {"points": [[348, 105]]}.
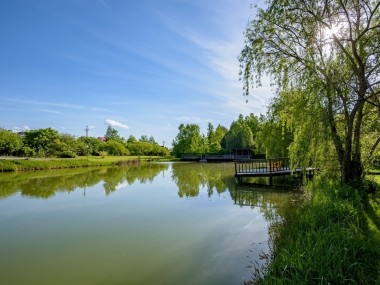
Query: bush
{"points": [[103, 153], [67, 154], [26, 151]]}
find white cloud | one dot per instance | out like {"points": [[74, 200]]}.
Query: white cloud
{"points": [[116, 124], [21, 129]]}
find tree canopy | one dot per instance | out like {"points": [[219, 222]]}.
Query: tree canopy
{"points": [[49, 143], [240, 135], [188, 140], [324, 57], [112, 134], [10, 142]]}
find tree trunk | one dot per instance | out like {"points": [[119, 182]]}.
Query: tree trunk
{"points": [[351, 170], [352, 166], [348, 153]]}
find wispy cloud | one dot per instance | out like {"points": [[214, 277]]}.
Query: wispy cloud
{"points": [[104, 3], [192, 119], [222, 47], [47, 111], [58, 105], [115, 124], [219, 51]]}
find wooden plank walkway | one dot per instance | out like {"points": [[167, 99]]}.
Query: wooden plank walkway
{"points": [[267, 168]]}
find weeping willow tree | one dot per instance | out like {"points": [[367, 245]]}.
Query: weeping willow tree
{"points": [[324, 57]]}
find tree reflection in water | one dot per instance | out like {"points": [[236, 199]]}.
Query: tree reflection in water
{"points": [[275, 204], [190, 177], [45, 184], [191, 180]]}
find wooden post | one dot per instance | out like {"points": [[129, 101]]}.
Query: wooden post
{"points": [[270, 173]]}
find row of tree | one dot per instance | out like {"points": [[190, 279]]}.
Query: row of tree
{"points": [[263, 135], [50, 143], [287, 130]]}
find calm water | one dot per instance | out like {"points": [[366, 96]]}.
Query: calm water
{"points": [[180, 223]]}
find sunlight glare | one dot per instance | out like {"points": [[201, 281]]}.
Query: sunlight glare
{"points": [[331, 32]]}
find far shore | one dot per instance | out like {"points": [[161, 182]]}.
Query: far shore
{"points": [[12, 163]]}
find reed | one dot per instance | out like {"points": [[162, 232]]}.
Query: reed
{"points": [[327, 241]]}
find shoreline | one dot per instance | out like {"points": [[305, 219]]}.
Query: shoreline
{"points": [[14, 164]]}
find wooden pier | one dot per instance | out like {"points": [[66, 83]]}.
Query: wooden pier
{"points": [[214, 157], [267, 168]]}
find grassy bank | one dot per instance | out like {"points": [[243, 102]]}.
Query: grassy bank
{"points": [[58, 163], [333, 239]]}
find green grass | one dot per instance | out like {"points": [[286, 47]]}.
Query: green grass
{"points": [[57, 163], [373, 211], [334, 239]]}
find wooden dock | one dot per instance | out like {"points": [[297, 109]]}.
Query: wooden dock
{"points": [[267, 168], [214, 157]]}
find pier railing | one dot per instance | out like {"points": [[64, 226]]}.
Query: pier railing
{"points": [[215, 157], [268, 168], [227, 157], [264, 166]]}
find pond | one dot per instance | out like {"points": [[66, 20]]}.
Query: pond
{"points": [[157, 223]]}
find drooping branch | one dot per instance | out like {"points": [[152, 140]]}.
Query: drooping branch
{"points": [[294, 42], [373, 148]]}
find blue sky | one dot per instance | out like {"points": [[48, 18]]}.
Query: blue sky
{"points": [[141, 66]]}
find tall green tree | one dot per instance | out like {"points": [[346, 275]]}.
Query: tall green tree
{"points": [[88, 145], [112, 134], [152, 140], [10, 142], [146, 148], [328, 51], [273, 137], [220, 136], [216, 138], [69, 141], [114, 147], [239, 135], [131, 139], [189, 140], [144, 138], [45, 142]]}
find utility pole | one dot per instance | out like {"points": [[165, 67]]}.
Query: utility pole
{"points": [[87, 147]]}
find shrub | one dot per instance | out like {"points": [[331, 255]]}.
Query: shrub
{"points": [[26, 151], [103, 153], [67, 154]]}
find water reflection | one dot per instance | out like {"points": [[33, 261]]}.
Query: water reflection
{"points": [[45, 184], [190, 177], [274, 203], [136, 237]]}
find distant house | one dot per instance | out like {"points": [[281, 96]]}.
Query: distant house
{"points": [[21, 134], [103, 139]]}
